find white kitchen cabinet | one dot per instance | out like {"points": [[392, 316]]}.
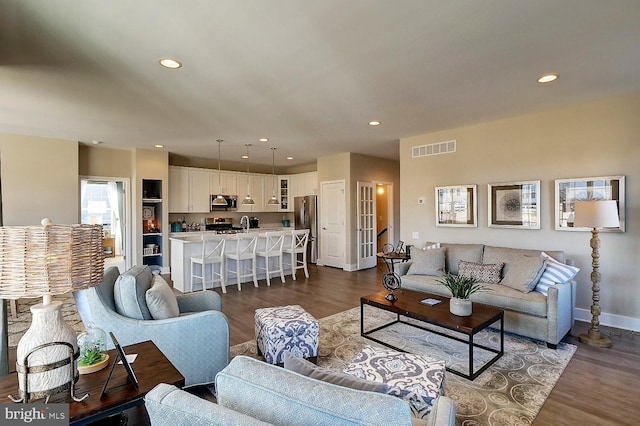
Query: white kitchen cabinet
{"points": [[285, 196], [253, 183], [188, 190], [228, 183]]}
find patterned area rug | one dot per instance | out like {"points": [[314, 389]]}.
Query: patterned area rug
{"points": [[18, 326], [510, 392]]}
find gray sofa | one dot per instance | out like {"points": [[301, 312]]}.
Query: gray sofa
{"points": [[532, 314], [252, 392]]}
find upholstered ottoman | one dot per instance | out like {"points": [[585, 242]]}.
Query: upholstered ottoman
{"points": [[286, 329], [416, 379]]}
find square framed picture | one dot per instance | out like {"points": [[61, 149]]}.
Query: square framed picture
{"points": [[514, 205], [569, 191], [457, 206]]}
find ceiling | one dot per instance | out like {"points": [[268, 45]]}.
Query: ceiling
{"points": [[308, 75]]}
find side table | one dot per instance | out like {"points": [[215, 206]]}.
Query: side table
{"points": [[151, 368], [391, 281]]}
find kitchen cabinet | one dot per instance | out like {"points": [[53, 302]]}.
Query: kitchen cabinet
{"points": [[253, 183], [303, 184], [285, 196], [189, 190], [227, 183]]}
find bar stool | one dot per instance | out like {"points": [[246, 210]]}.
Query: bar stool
{"points": [[245, 250], [212, 253], [274, 242], [299, 240]]}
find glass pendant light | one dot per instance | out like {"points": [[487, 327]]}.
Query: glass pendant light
{"points": [[219, 200], [248, 200], [274, 200]]}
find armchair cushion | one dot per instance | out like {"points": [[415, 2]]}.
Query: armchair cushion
{"points": [[129, 293], [161, 300]]}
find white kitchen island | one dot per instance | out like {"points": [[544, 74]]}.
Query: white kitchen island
{"points": [[186, 245]]}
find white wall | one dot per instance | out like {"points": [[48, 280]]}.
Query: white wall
{"points": [[588, 140], [39, 179]]}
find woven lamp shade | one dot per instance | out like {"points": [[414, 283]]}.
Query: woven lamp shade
{"points": [[48, 260]]}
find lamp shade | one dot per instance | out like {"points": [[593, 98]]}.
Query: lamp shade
{"points": [[48, 260], [596, 214]]}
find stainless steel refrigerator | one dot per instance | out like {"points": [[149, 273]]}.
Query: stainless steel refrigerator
{"points": [[306, 217]]}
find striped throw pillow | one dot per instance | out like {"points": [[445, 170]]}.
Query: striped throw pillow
{"points": [[554, 273]]}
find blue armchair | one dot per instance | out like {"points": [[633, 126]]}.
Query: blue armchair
{"points": [[196, 342]]}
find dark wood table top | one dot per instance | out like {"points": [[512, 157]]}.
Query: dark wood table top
{"points": [[151, 368], [393, 256], [408, 304]]}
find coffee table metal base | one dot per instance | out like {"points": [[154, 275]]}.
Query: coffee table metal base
{"points": [[472, 374]]}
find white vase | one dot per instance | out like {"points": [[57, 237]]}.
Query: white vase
{"points": [[460, 307]]}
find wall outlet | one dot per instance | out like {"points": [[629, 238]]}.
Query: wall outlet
{"points": [[415, 235], [421, 201]]}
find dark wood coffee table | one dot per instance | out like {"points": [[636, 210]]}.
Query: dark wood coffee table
{"points": [[408, 305], [151, 368]]}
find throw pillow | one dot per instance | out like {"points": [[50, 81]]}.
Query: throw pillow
{"points": [[129, 293], [523, 275], [306, 368], [414, 378], [161, 300], [554, 273], [490, 273], [427, 262]]}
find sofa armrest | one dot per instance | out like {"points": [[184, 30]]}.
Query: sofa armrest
{"points": [[401, 268], [199, 301], [560, 306], [169, 406]]}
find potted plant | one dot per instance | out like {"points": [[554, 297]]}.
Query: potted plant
{"points": [[93, 350], [461, 288]]}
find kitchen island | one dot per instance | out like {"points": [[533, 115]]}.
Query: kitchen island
{"points": [[185, 245]]}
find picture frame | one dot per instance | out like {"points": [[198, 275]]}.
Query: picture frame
{"points": [[568, 191], [514, 205], [457, 206], [399, 247], [122, 357]]}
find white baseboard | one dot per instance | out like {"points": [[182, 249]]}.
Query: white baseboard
{"points": [[610, 320]]}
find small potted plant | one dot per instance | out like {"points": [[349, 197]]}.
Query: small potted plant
{"points": [[93, 350], [461, 288]]}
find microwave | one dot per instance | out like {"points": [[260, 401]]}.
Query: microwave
{"points": [[232, 203]]}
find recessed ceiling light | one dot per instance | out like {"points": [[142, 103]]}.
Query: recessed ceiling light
{"points": [[374, 123], [245, 156], [96, 142], [548, 78], [263, 140], [170, 63], [159, 146], [289, 158]]}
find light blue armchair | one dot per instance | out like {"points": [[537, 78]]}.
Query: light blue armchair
{"points": [[196, 342]]}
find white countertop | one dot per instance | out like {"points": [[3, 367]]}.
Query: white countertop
{"points": [[192, 236]]}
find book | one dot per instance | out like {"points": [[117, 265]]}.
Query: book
{"points": [[430, 301]]}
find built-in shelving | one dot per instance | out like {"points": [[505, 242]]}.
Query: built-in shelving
{"points": [[152, 226]]}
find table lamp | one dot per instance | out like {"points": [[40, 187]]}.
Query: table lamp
{"points": [[595, 215], [44, 261]]}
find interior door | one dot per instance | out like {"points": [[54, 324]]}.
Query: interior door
{"points": [[332, 223], [367, 233]]}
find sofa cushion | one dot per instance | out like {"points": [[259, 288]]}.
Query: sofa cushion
{"points": [[130, 290], [427, 262], [454, 253], [554, 273], [161, 301], [416, 379], [524, 273], [483, 272], [306, 368]]}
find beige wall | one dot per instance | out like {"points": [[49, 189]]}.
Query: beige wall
{"points": [[588, 140], [104, 162], [39, 179]]}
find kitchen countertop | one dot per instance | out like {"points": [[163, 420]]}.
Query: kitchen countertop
{"points": [[196, 234]]}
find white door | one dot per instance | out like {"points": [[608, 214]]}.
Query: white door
{"points": [[332, 223], [367, 234]]}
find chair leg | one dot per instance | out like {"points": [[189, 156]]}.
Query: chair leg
{"points": [[254, 264], [294, 264], [280, 262], [238, 274], [266, 268], [223, 277], [304, 263], [191, 280], [14, 308]]}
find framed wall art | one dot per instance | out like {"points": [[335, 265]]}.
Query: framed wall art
{"points": [[457, 206], [514, 205], [568, 191]]}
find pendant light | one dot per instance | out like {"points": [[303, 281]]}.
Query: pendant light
{"points": [[274, 200], [248, 200], [219, 200]]}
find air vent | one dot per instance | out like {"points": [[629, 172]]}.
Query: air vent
{"points": [[433, 149]]}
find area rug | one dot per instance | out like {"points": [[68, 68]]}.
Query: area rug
{"points": [[510, 392]]}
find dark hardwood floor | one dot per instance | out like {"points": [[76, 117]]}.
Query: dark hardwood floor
{"points": [[598, 387]]}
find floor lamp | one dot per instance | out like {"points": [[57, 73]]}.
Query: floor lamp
{"points": [[596, 215]]}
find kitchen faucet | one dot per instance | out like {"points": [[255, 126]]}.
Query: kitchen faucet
{"points": [[244, 222]]}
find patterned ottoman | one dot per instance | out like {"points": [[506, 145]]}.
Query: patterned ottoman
{"points": [[414, 378], [286, 329]]}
